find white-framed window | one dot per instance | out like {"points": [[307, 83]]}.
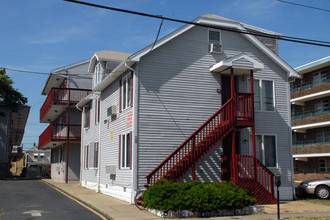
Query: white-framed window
{"points": [[97, 111], [125, 150], [214, 36], [97, 74], [86, 116], [266, 150], [86, 156], [264, 97], [126, 91], [93, 155], [324, 165]]}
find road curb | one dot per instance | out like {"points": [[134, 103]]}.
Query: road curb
{"points": [[98, 212]]}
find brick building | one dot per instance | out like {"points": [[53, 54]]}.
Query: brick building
{"points": [[310, 97]]}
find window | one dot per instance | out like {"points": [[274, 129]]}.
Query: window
{"points": [[264, 95], [266, 149], [125, 150], [97, 111], [86, 156], [92, 155], [321, 105], [319, 77], [324, 165], [126, 92], [322, 135], [214, 37], [86, 116], [97, 74]]}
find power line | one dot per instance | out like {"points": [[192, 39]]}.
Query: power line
{"points": [[278, 37], [43, 73], [306, 6]]}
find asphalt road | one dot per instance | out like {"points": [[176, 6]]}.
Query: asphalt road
{"points": [[33, 199]]}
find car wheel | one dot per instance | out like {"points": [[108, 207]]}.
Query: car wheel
{"points": [[322, 192]]}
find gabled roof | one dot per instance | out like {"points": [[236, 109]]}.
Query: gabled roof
{"points": [[208, 19], [57, 76], [315, 65], [106, 56], [240, 62]]}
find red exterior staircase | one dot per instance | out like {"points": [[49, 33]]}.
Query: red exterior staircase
{"points": [[246, 171]]}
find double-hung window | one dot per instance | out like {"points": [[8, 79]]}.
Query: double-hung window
{"points": [[97, 111], [320, 77], [125, 150], [266, 150], [93, 155], [86, 116], [97, 74], [214, 37], [264, 95], [86, 156], [126, 91]]}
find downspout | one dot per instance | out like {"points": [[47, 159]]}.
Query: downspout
{"points": [[81, 146], [134, 182], [99, 145]]}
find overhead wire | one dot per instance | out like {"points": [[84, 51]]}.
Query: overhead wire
{"points": [[306, 6], [43, 73], [278, 37]]}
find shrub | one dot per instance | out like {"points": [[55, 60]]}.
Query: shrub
{"points": [[195, 196]]}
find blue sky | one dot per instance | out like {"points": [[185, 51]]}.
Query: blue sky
{"points": [[39, 35]]}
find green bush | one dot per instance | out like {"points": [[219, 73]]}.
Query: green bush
{"points": [[196, 196]]}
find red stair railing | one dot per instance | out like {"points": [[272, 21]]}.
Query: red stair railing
{"points": [[196, 145], [62, 96], [249, 168]]}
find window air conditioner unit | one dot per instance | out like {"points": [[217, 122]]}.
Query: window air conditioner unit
{"points": [[215, 48], [112, 110]]}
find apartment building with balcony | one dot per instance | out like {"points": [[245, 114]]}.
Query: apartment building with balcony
{"points": [[310, 114], [64, 88]]}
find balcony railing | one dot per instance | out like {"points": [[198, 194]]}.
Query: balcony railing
{"points": [[62, 96], [311, 142], [309, 85], [306, 114], [60, 133]]}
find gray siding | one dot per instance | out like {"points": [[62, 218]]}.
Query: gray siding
{"points": [[177, 93]]}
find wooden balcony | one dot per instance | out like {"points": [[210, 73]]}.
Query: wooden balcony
{"points": [[58, 100], [56, 134]]}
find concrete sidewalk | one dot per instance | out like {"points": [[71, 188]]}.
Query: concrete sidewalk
{"points": [[119, 210]]}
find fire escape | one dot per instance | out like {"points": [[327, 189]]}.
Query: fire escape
{"points": [[245, 171]]}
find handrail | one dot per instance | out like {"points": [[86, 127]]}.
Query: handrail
{"points": [[63, 96], [210, 132], [198, 135], [250, 168], [309, 85], [312, 113], [60, 132]]}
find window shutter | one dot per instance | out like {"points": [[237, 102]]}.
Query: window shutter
{"points": [[130, 150], [120, 95], [132, 89], [119, 159]]}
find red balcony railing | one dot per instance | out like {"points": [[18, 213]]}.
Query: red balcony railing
{"points": [[60, 133], [62, 96]]}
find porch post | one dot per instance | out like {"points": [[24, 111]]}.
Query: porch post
{"points": [[252, 112], [253, 128], [232, 83], [233, 157]]}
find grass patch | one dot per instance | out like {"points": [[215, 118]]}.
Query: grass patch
{"points": [[318, 201]]}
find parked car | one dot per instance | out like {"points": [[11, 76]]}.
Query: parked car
{"points": [[320, 187]]}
